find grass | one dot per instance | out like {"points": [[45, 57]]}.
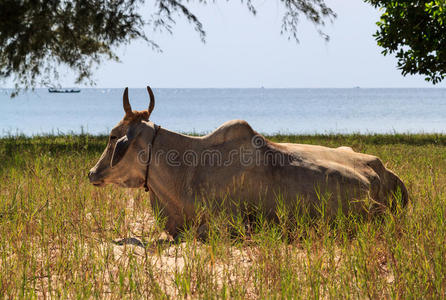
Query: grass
{"points": [[62, 237]]}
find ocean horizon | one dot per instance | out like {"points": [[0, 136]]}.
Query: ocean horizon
{"points": [[202, 110]]}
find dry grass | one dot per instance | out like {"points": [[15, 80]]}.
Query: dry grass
{"points": [[62, 237]]}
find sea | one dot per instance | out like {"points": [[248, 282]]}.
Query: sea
{"points": [[269, 111]]}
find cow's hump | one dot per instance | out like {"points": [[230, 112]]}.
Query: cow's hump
{"points": [[231, 131]]}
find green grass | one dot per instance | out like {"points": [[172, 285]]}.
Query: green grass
{"points": [[57, 233]]}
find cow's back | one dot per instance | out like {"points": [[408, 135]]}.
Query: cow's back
{"points": [[270, 172]]}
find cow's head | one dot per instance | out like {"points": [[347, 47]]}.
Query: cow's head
{"points": [[122, 161]]}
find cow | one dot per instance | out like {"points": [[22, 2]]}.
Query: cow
{"points": [[236, 162]]}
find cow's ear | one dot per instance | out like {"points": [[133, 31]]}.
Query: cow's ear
{"points": [[121, 147]]}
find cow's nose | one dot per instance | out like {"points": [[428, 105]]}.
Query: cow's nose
{"points": [[92, 176]]}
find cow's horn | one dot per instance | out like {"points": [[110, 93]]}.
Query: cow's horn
{"points": [[152, 100], [126, 103]]}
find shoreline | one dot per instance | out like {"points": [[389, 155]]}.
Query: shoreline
{"points": [[373, 138]]}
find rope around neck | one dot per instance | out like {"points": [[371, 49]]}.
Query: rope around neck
{"points": [[146, 185]]}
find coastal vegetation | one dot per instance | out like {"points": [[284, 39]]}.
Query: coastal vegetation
{"points": [[62, 237]]}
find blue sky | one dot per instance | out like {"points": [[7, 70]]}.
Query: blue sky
{"points": [[247, 51]]}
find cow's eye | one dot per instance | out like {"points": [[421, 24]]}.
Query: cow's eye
{"points": [[113, 137]]}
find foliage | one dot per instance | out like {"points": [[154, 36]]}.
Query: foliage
{"points": [[61, 237], [415, 31], [38, 36]]}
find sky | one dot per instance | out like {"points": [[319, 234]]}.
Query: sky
{"points": [[243, 50]]}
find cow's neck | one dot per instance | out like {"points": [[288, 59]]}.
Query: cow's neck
{"points": [[166, 179]]}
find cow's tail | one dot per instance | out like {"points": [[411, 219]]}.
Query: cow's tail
{"points": [[397, 190]]}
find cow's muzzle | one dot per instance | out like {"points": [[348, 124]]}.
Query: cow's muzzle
{"points": [[94, 179]]}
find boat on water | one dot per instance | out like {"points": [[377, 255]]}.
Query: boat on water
{"points": [[57, 90]]}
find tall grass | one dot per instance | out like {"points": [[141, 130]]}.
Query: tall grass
{"points": [[62, 237]]}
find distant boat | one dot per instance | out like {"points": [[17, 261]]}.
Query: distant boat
{"points": [[55, 90]]}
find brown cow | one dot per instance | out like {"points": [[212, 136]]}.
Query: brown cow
{"points": [[235, 162]]}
